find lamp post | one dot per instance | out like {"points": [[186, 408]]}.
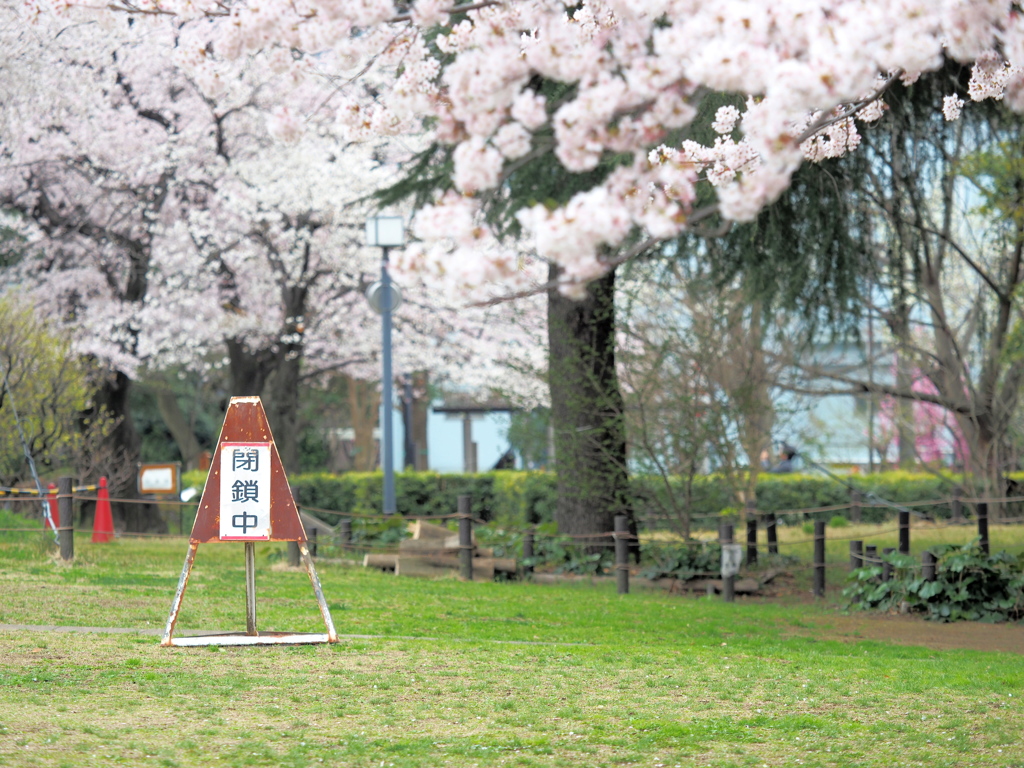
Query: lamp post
{"points": [[386, 232]]}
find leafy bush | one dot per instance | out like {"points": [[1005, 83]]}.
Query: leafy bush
{"points": [[517, 499], [968, 585], [683, 560]]}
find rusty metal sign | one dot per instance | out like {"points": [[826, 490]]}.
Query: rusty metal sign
{"points": [[247, 498]]}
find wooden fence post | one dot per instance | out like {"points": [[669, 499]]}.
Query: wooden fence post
{"points": [[819, 558], [773, 540], [345, 530], [871, 555], [982, 526], [887, 567], [465, 538], [904, 533], [66, 513], [855, 513], [928, 561], [725, 534], [958, 511], [621, 536], [528, 552], [856, 555], [752, 540], [312, 542]]}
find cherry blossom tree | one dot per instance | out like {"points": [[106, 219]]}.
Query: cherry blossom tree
{"points": [[604, 91], [468, 76], [249, 249]]}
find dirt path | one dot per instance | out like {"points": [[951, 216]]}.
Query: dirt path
{"points": [[913, 630]]}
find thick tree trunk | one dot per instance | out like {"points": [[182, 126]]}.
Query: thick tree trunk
{"points": [[118, 455], [179, 427], [587, 411], [283, 410], [420, 409], [249, 369], [364, 406]]}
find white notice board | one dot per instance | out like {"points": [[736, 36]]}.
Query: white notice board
{"points": [[244, 491]]}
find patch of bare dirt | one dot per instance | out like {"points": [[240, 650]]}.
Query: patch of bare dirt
{"points": [[914, 630]]}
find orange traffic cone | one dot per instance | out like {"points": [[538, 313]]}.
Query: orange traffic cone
{"points": [[54, 521], [103, 524]]}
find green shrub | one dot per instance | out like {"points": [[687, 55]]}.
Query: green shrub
{"points": [[683, 561], [517, 499], [968, 585], [838, 521]]}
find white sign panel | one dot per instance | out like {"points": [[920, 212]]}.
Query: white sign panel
{"points": [[732, 558], [244, 491], [157, 480]]}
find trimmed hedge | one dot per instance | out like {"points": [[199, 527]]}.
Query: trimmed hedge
{"points": [[515, 499]]}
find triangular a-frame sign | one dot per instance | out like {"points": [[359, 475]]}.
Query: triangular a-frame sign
{"points": [[247, 498]]}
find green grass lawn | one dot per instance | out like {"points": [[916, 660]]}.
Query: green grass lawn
{"points": [[476, 674]]}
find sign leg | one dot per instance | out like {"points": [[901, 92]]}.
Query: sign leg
{"points": [[250, 588], [190, 558], [332, 635]]}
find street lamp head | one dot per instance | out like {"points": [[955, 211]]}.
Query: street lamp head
{"points": [[385, 231]]}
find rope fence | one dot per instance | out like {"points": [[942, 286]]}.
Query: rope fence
{"points": [[623, 541]]}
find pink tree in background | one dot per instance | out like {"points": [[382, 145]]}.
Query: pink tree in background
{"points": [[938, 440]]}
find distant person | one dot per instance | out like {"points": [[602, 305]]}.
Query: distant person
{"points": [[766, 460], [786, 456]]}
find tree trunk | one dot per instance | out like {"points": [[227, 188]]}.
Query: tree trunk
{"points": [[283, 410], [249, 369], [420, 409], [364, 405], [178, 426], [587, 411], [119, 454]]}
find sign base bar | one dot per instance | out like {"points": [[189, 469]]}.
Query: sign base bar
{"points": [[240, 638]]}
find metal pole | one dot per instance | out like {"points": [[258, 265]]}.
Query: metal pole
{"points": [[621, 536], [386, 459], [250, 588], [66, 513]]}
